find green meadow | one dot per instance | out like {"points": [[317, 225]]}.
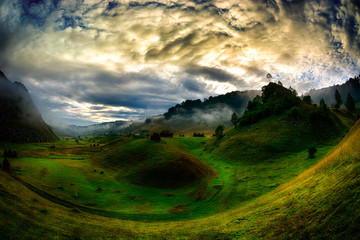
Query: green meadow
{"points": [[127, 178], [247, 184], [75, 178]]}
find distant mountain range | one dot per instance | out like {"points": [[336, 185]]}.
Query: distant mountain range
{"points": [[188, 117], [203, 116], [20, 120], [351, 86], [94, 129]]}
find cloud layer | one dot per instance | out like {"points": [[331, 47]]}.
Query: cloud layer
{"points": [[95, 60]]}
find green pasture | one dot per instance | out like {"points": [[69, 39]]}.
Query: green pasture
{"points": [[76, 177]]}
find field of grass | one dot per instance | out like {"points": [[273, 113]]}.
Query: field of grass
{"points": [[241, 191], [277, 136], [84, 181]]}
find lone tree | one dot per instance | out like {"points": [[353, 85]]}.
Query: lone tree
{"points": [[234, 119], [6, 165], [219, 131], [350, 104], [337, 99], [312, 152]]}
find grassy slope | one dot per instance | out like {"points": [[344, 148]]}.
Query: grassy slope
{"points": [[320, 203], [66, 170], [277, 136], [152, 164], [67, 166]]}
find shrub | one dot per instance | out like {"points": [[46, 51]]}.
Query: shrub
{"points": [[6, 165], [198, 135], [219, 131], [10, 154], [166, 133], [312, 151], [155, 137]]}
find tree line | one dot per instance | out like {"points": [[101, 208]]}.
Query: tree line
{"points": [[276, 99]]}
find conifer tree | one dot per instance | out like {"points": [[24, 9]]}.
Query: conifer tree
{"points": [[337, 99], [350, 104]]}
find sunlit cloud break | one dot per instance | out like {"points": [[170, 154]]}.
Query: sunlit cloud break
{"points": [[115, 60]]}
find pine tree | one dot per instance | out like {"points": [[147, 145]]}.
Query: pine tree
{"points": [[350, 104], [337, 99], [323, 105]]}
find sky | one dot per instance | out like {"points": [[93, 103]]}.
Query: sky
{"points": [[88, 61]]}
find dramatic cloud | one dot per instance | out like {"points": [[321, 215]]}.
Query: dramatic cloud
{"points": [[98, 60]]}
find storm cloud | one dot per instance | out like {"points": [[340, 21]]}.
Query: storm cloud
{"points": [[97, 60]]}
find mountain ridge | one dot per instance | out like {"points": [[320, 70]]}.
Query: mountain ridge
{"points": [[351, 86], [20, 120], [197, 112]]}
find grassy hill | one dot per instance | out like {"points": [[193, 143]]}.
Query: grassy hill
{"points": [[321, 203], [276, 136], [255, 182], [152, 164]]}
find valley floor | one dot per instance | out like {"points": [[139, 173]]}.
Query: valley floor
{"points": [[67, 176], [62, 193]]}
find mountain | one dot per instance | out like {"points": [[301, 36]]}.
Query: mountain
{"points": [[233, 102], [20, 121], [196, 116], [351, 86], [186, 118], [94, 129], [204, 116]]}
